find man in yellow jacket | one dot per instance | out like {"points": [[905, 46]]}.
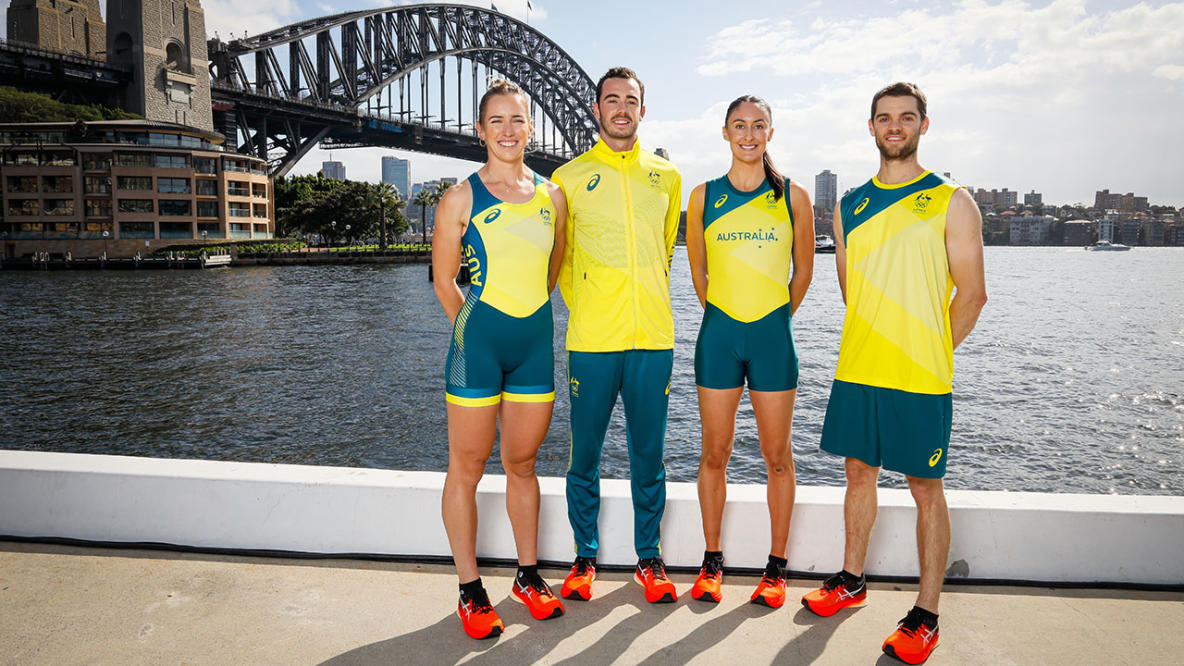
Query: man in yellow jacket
{"points": [[623, 212]]}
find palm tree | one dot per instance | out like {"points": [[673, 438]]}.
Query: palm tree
{"points": [[425, 198], [387, 196]]}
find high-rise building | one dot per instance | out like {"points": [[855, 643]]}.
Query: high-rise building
{"points": [[333, 170], [1033, 198], [663, 153], [397, 172], [826, 189]]}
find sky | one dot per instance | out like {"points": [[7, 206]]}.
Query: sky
{"points": [[1064, 97]]}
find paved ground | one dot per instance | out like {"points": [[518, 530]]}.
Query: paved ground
{"points": [[68, 605]]}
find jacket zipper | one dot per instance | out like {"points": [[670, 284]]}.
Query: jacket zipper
{"points": [[631, 243]]}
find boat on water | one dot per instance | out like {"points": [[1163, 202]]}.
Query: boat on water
{"points": [[1106, 246], [824, 243]]}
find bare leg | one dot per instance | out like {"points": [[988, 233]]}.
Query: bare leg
{"points": [[859, 512], [933, 538], [717, 413], [774, 423], [524, 424], [471, 431]]}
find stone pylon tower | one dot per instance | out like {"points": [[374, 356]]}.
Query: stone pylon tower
{"points": [[73, 26], [164, 43]]}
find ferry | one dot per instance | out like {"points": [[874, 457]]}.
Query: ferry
{"points": [[824, 243]]}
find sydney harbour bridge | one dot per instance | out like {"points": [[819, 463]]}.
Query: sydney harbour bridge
{"points": [[405, 77]]}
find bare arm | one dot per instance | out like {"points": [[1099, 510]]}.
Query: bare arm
{"points": [[803, 244], [564, 279], [840, 252], [696, 246], [673, 214], [964, 248], [451, 221], [560, 245]]}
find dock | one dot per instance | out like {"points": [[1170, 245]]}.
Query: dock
{"points": [[75, 605]]}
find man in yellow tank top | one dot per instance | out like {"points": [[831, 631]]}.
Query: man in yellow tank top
{"points": [[905, 242]]}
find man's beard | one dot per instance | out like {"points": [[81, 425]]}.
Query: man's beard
{"points": [[615, 132], [901, 151]]}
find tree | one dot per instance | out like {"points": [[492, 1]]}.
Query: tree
{"points": [[18, 106], [388, 199], [423, 200]]}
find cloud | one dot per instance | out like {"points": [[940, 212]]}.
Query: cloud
{"points": [[1022, 96]]}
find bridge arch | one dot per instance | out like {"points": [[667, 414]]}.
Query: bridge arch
{"points": [[334, 80]]}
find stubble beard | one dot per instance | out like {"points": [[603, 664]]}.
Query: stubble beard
{"points": [[901, 152], [627, 132]]}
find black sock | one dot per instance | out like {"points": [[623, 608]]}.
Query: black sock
{"points": [[530, 572], [471, 588], [851, 579], [776, 567], [713, 555], [927, 617]]}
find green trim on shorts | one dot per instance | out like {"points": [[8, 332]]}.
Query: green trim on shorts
{"points": [[897, 430]]}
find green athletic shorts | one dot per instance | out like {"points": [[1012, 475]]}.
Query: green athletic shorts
{"points": [[728, 352], [897, 430]]}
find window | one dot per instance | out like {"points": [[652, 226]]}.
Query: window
{"points": [[24, 207], [96, 161], [134, 182], [58, 158], [259, 190], [239, 209], [232, 164], [170, 161], [172, 185], [98, 208], [61, 230], [133, 159], [209, 230], [22, 183], [96, 229], [176, 230], [158, 139], [207, 209], [58, 184], [205, 165], [237, 188], [97, 184], [259, 210], [175, 207], [207, 187], [58, 207], [136, 206], [192, 142], [137, 138], [240, 230], [136, 230], [21, 158]]}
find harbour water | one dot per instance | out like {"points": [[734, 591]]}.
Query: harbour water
{"points": [[1073, 380]]}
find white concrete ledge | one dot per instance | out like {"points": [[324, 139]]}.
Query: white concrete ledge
{"points": [[334, 510]]}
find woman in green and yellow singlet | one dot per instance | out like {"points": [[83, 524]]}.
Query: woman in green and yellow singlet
{"points": [[746, 232], [507, 223]]}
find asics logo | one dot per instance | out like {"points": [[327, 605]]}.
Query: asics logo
{"points": [[862, 205], [721, 200], [493, 215], [927, 635], [467, 607], [524, 589], [594, 182], [935, 457], [844, 593]]}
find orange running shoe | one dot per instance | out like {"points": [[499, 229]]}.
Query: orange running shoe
{"points": [[837, 593], [478, 617], [771, 590], [651, 574], [913, 640], [537, 596], [707, 585], [578, 584]]}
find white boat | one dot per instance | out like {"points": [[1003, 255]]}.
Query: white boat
{"points": [[1107, 246], [824, 243]]}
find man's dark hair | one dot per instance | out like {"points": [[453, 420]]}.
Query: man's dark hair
{"points": [[901, 89], [619, 73]]}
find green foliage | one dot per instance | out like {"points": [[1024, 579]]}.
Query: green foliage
{"points": [[311, 204], [18, 106]]}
